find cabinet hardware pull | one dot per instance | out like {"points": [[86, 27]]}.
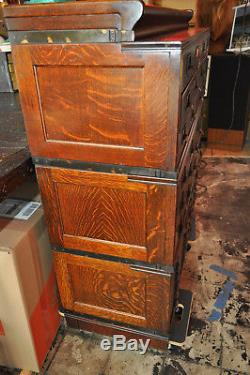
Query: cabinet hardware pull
{"points": [[169, 181], [167, 272]]}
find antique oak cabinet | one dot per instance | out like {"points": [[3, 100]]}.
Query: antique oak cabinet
{"points": [[111, 103]]}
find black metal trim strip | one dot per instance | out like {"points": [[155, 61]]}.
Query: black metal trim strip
{"points": [[110, 324], [105, 168], [169, 270]]}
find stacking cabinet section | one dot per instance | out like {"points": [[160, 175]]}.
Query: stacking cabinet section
{"points": [[111, 214], [100, 103], [113, 128], [112, 103], [115, 291]]}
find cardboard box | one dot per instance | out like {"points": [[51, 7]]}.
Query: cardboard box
{"points": [[29, 317]]}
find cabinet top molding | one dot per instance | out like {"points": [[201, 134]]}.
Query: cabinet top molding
{"points": [[90, 14], [129, 11]]}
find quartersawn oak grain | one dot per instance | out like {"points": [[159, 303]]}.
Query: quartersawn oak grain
{"points": [[128, 217], [107, 214], [129, 11], [75, 100], [113, 291], [130, 104]]}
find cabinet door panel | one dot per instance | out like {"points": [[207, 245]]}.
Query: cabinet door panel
{"points": [[96, 103], [114, 291], [109, 214], [87, 104]]}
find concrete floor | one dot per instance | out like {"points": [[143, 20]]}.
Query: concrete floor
{"points": [[214, 345]]}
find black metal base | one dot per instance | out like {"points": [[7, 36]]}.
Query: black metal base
{"points": [[181, 318]]}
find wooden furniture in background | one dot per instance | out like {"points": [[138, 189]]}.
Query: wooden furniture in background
{"points": [[180, 4], [15, 161], [218, 16], [229, 101], [3, 31], [113, 126]]}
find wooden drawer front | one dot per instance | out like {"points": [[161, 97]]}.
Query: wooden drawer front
{"points": [[202, 77], [188, 109], [192, 59], [180, 252], [186, 193], [109, 214], [186, 205], [191, 102], [204, 48], [190, 64], [114, 291], [184, 214], [187, 179], [97, 103]]}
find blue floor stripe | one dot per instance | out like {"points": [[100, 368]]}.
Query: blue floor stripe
{"points": [[215, 316], [223, 271], [224, 294]]}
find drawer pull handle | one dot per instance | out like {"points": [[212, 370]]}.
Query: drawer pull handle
{"points": [[188, 100], [197, 52], [189, 62], [151, 182], [166, 271]]}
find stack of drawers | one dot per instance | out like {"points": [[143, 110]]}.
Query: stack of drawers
{"points": [[114, 133]]}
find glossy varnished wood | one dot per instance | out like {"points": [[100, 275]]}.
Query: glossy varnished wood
{"points": [[221, 138], [110, 214], [83, 115], [114, 291], [124, 216], [90, 120], [95, 100], [119, 237], [128, 12], [64, 22]]}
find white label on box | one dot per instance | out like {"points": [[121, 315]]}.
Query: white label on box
{"points": [[18, 208]]}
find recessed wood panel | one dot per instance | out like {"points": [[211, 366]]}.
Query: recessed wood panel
{"points": [[107, 213], [116, 291], [103, 102], [116, 215], [106, 289], [100, 105]]}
